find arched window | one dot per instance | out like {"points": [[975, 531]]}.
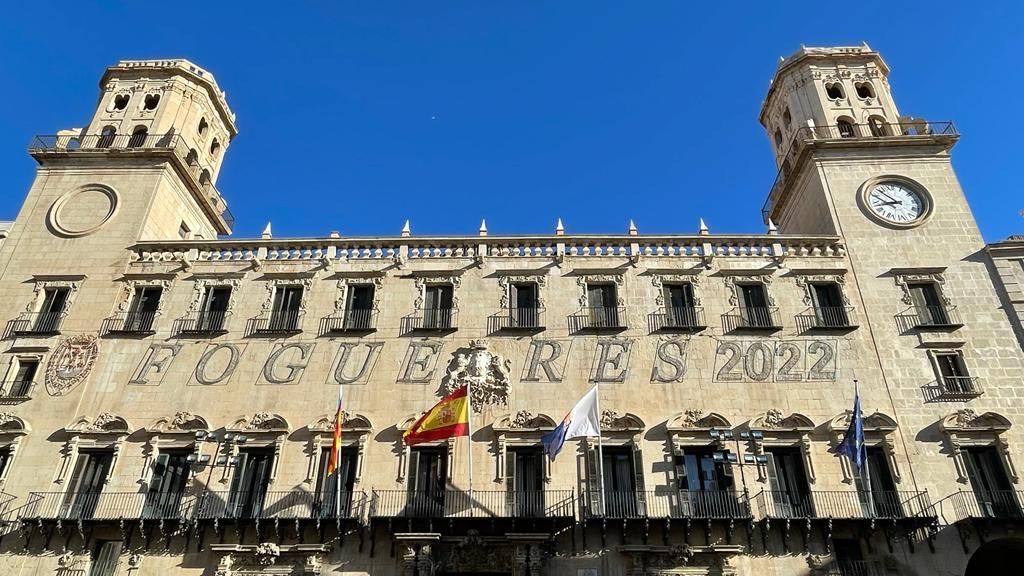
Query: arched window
{"points": [[865, 90], [121, 101], [845, 127], [834, 91], [879, 127], [778, 138], [106, 138], [151, 102], [192, 158], [214, 148], [138, 138], [786, 168], [787, 118], [203, 126], [204, 178]]}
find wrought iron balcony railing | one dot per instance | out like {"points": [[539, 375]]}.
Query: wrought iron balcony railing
{"points": [[17, 391], [958, 387], [292, 505], [752, 318], [940, 317], [998, 504], [276, 323], [431, 319], [856, 568], [37, 324], [130, 323], [678, 318], [349, 321], [517, 319], [598, 318], [109, 506], [482, 504], [698, 504], [845, 504], [202, 323], [827, 318], [170, 143]]}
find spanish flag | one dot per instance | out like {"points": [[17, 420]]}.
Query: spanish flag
{"points": [[332, 460], [447, 419]]}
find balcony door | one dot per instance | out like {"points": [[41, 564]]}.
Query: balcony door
{"points": [[788, 482], [359, 307], [54, 302], [883, 489], [603, 304], [249, 483], [331, 499], [437, 306], [525, 307], [754, 306], [167, 485], [428, 479], [287, 304], [622, 478], [524, 482], [829, 308], [704, 484], [143, 309], [91, 471], [215, 307], [930, 308], [990, 483], [681, 305]]}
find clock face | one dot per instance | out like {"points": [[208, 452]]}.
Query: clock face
{"points": [[897, 203]]}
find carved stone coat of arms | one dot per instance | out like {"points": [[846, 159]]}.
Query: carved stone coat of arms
{"points": [[70, 363], [486, 373]]}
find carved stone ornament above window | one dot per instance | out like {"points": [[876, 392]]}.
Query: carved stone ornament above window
{"points": [[182, 423], [350, 422], [617, 279], [524, 421], [659, 280], [775, 420], [11, 424], [272, 285], [807, 282], [104, 423], [202, 284], [260, 422], [903, 279], [344, 283], [423, 281], [613, 421], [697, 420], [487, 374], [128, 288], [965, 427], [730, 281], [540, 279], [39, 293], [71, 363], [269, 558]]}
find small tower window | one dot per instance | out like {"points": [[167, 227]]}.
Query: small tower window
{"points": [[138, 138], [192, 158], [204, 178], [865, 90], [879, 127], [787, 118], [214, 148], [845, 127], [203, 126], [106, 138], [778, 138], [834, 91], [121, 101], [151, 102]]}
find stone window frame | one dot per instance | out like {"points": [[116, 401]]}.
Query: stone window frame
{"points": [[879, 431], [41, 283], [508, 278], [111, 106], [262, 430], [130, 285], [777, 430], [520, 430], [692, 429], [659, 279], [405, 451], [104, 432], [423, 280], [370, 279], [903, 279], [965, 428], [732, 282], [356, 429], [203, 283], [12, 371], [806, 281], [177, 432], [271, 286], [618, 430], [615, 278], [12, 430], [944, 349]]}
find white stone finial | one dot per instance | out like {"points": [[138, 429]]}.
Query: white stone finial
{"points": [[406, 230], [559, 229], [483, 227], [267, 233], [703, 229], [772, 230], [335, 234], [632, 228]]}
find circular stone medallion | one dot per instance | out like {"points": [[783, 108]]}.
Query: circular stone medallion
{"points": [[84, 211]]}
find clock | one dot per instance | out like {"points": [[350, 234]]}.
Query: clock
{"points": [[897, 203]]}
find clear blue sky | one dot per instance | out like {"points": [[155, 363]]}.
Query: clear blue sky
{"points": [[354, 116]]}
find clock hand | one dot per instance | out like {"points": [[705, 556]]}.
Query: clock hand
{"points": [[887, 196]]}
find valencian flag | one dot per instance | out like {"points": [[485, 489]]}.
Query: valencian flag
{"points": [[447, 419], [581, 422], [332, 460]]}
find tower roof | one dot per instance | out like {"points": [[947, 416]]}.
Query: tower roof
{"points": [[177, 66]]}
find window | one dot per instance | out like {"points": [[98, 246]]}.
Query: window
{"points": [[524, 481], [754, 309], [91, 471], [5, 460], [681, 311], [359, 307], [787, 118], [879, 127], [845, 128], [865, 90], [287, 307], [192, 158], [778, 138], [437, 306], [952, 374], [104, 558], [150, 102], [989, 482], [620, 482], [51, 313], [204, 178], [829, 308], [699, 471], [327, 501], [788, 482], [24, 379], [203, 126], [184, 231], [428, 477], [249, 483], [121, 101], [525, 301], [167, 485], [214, 148], [106, 138], [928, 304], [882, 488], [834, 91], [602, 304], [143, 309], [213, 313], [138, 138]]}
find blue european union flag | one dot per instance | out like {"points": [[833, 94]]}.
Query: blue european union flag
{"points": [[852, 445]]}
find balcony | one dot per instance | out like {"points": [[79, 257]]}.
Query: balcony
{"points": [[17, 391], [856, 568], [598, 319], [276, 323], [280, 505], [525, 504], [760, 318], [695, 504], [203, 323], [349, 321], [431, 320], [517, 320], [678, 319], [827, 318], [108, 506], [172, 145], [129, 324], [36, 324], [846, 504], [958, 387], [988, 504], [932, 318]]}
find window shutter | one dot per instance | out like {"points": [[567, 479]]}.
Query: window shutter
{"points": [[638, 480], [593, 481], [159, 471], [105, 563], [510, 481], [414, 466]]}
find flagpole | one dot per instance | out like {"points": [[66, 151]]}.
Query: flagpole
{"points": [[469, 443], [867, 469], [600, 444], [337, 461]]}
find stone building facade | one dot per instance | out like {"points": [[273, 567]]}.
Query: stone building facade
{"points": [[169, 393], [1008, 261]]}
